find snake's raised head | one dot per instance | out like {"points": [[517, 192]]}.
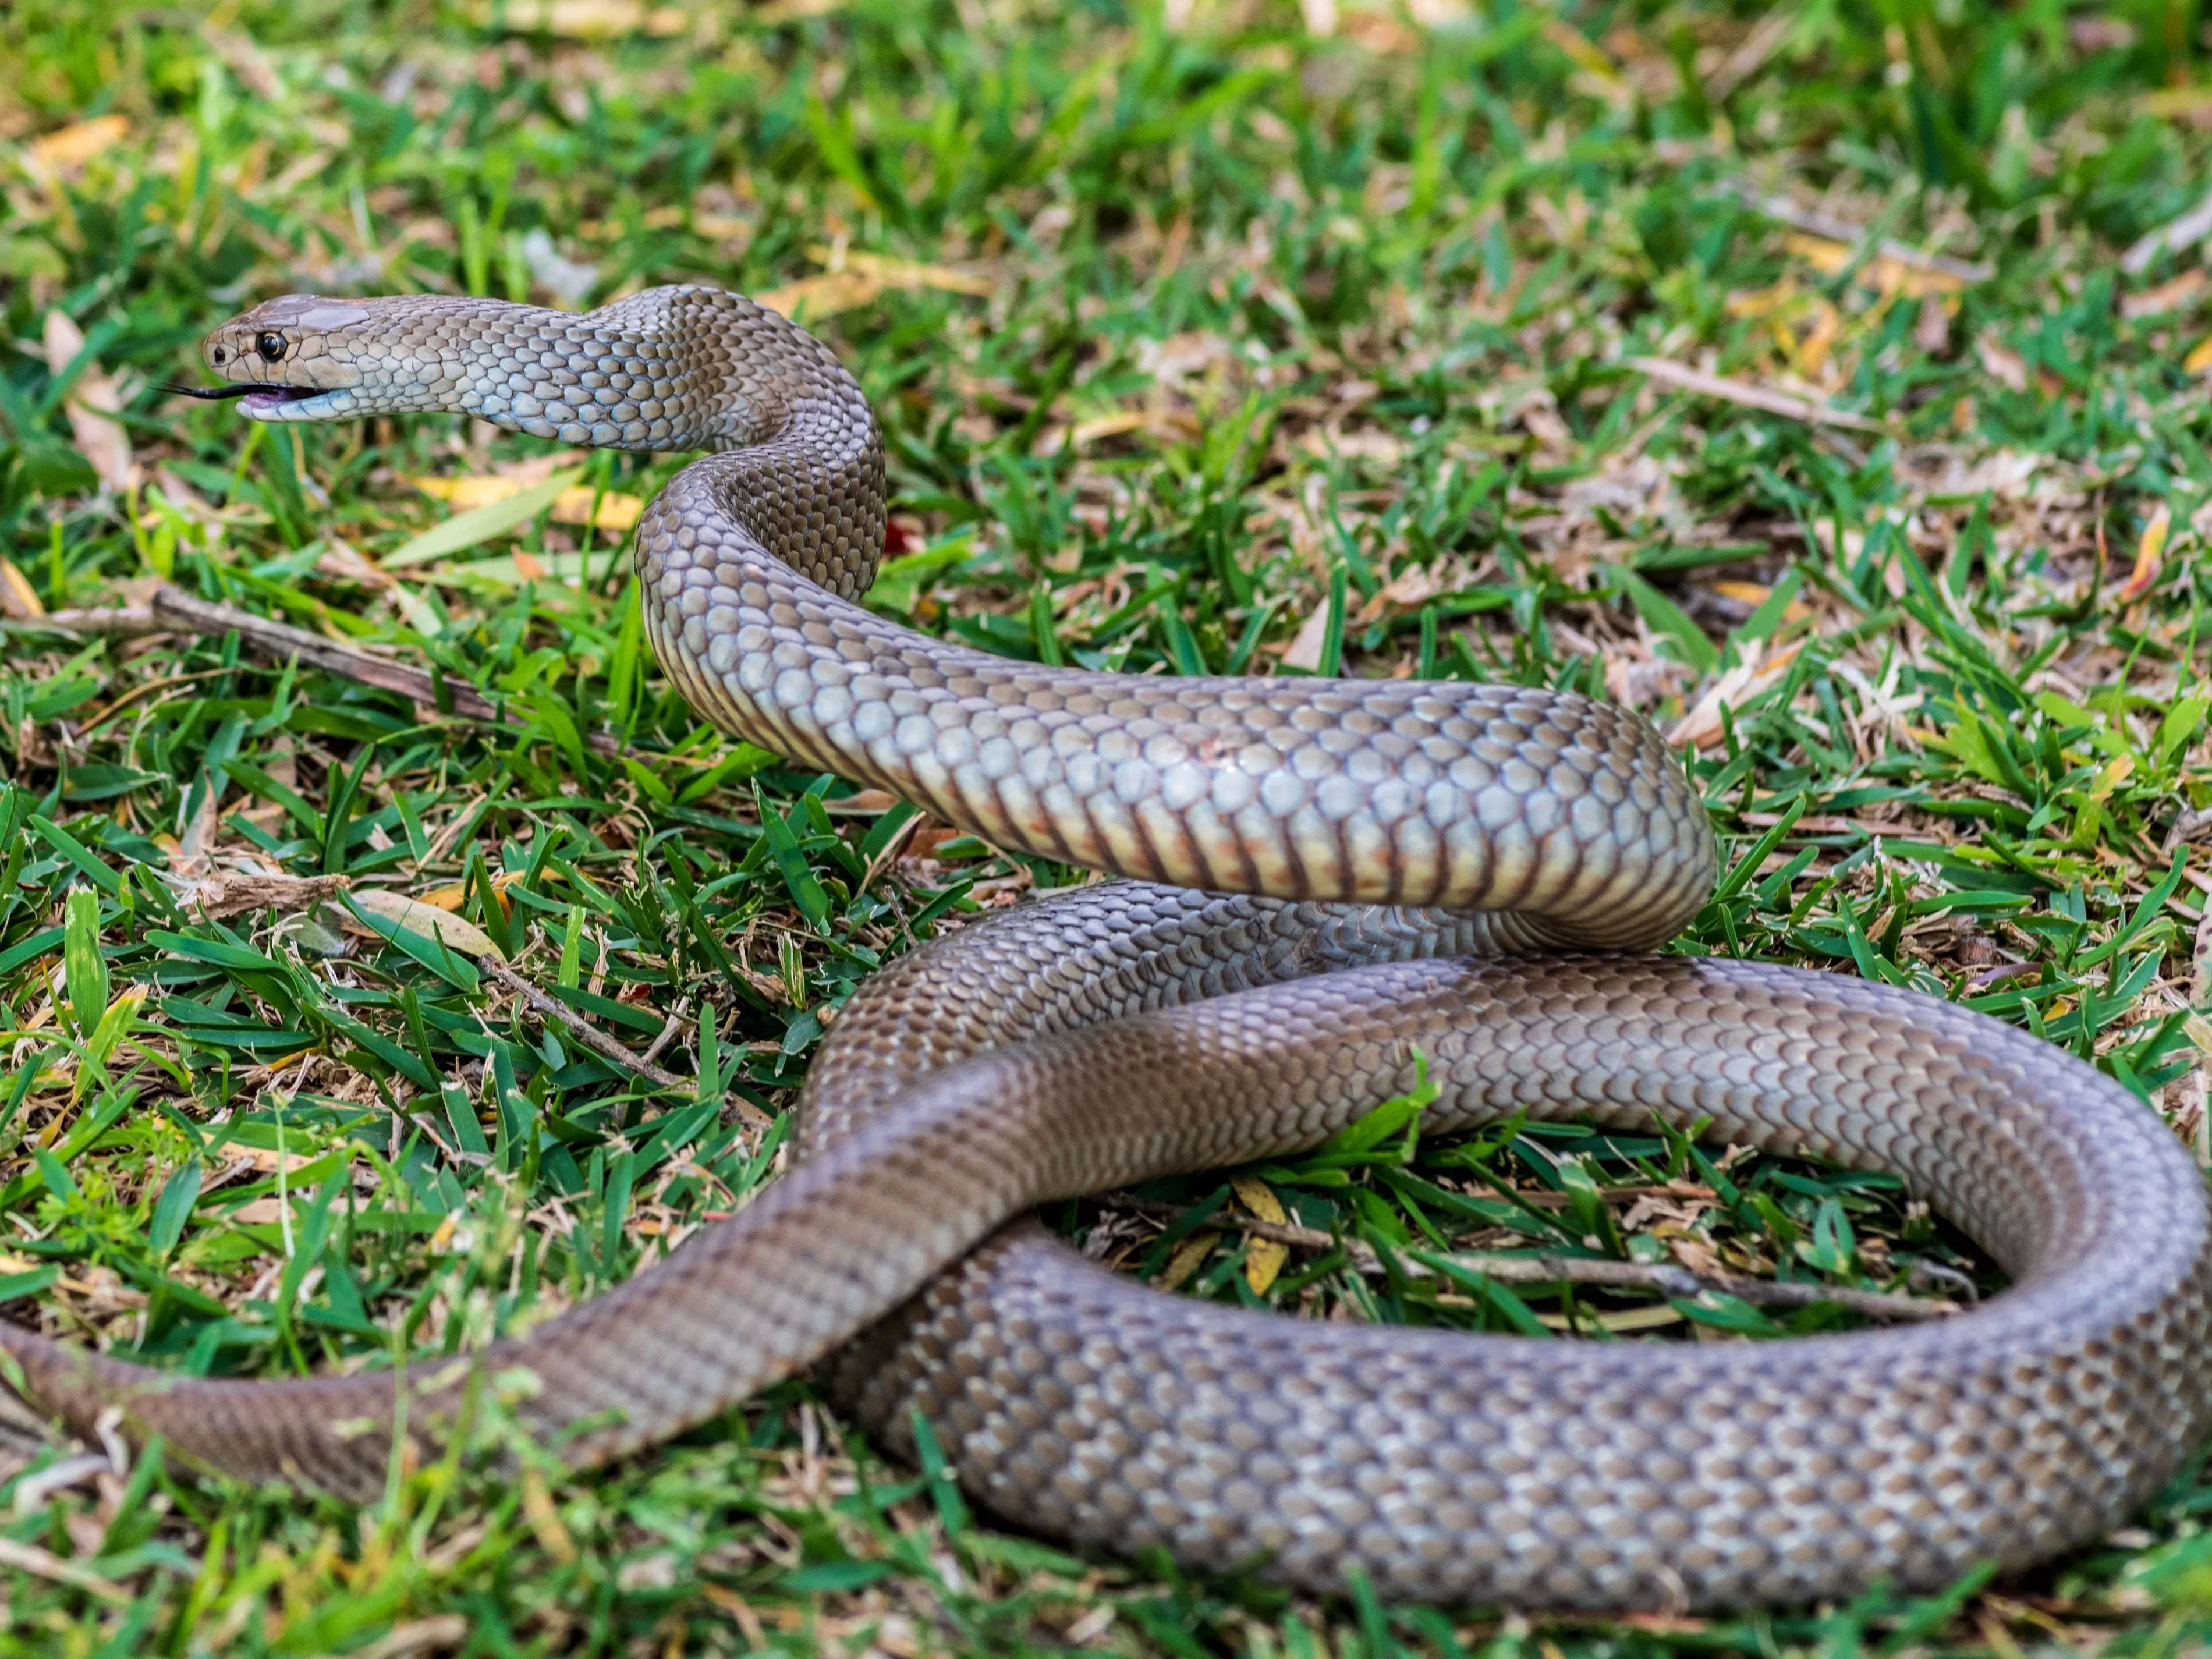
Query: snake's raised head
{"points": [[297, 357]]}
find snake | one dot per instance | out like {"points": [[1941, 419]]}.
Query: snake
{"points": [[1327, 889]]}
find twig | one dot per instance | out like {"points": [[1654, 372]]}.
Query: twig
{"points": [[589, 1035], [45, 1564], [1788, 405], [1783, 210], [174, 610], [1544, 1269], [122, 621], [600, 1042], [668, 1030]]}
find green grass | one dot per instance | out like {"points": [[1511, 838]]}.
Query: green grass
{"points": [[1263, 344]]}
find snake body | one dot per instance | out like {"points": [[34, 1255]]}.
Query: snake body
{"points": [[1326, 877]]}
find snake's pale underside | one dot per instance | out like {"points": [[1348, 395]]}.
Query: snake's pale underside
{"points": [[1326, 879]]}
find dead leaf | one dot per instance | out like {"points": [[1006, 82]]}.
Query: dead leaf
{"points": [[1702, 726], [616, 510], [261, 1212], [73, 146], [2167, 296], [18, 599], [854, 279], [595, 19], [1189, 1253], [553, 1536], [1263, 1257], [2002, 364], [429, 920], [2150, 557], [91, 405], [1304, 650], [1931, 330], [1742, 392], [1883, 271], [235, 893], [444, 1629]]}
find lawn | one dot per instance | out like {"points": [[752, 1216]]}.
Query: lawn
{"points": [[1828, 382]]}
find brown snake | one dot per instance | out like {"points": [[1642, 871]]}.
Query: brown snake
{"points": [[1250, 991]]}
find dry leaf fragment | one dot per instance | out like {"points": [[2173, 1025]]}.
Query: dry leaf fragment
{"points": [[854, 279], [1702, 726], [1786, 404], [2166, 297], [1885, 271], [1263, 1257], [2150, 557], [552, 1534], [18, 599], [2002, 364], [237, 892], [1304, 650], [73, 146], [429, 920], [595, 19], [574, 506], [1184, 1263], [92, 403]]}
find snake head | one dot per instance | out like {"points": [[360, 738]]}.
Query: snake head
{"points": [[286, 360]]}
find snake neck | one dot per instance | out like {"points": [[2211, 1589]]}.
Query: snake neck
{"points": [[667, 369]]}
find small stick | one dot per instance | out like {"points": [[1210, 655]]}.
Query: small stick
{"points": [[1663, 1277], [552, 1008], [174, 610], [589, 1035]]}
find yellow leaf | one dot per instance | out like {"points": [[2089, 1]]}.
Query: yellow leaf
{"points": [[427, 919], [2199, 358], [617, 511], [589, 18], [1628, 1319], [909, 273], [1577, 46], [1882, 272], [73, 146], [825, 295], [1189, 1253], [1751, 593], [18, 599], [1263, 1257], [2114, 773], [572, 506], [544, 1519], [2150, 556], [91, 405], [859, 278]]}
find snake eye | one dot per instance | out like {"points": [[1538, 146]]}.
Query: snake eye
{"points": [[271, 345]]}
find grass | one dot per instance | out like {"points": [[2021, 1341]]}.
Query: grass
{"points": [[1232, 338]]}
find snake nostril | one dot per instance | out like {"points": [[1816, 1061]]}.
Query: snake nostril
{"points": [[218, 354]]}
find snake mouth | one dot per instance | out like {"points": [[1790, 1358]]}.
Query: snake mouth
{"points": [[261, 403], [256, 402]]}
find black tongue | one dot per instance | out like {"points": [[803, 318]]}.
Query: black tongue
{"points": [[210, 391]]}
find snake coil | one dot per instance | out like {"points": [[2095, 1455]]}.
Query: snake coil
{"points": [[1326, 877]]}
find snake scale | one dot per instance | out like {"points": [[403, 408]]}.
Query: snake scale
{"points": [[1323, 878]]}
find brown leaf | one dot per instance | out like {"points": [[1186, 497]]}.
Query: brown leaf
{"points": [[73, 146], [18, 599], [2150, 557], [429, 920], [91, 405], [232, 894]]}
